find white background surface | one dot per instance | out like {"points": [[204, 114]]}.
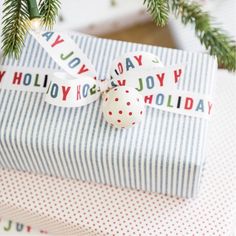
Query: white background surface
{"points": [[214, 211], [97, 17], [223, 14]]}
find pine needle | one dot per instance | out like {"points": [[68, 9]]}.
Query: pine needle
{"points": [[215, 40], [49, 11], [159, 10], [15, 25]]}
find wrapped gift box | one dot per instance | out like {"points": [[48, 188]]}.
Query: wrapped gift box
{"points": [[164, 154]]}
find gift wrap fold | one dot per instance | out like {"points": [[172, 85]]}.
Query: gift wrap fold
{"points": [[164, 154]]}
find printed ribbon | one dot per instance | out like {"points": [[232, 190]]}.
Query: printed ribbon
{"points": [[80, 86]]}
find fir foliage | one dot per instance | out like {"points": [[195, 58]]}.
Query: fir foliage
{"points": [[15, 25], [159, 10], [215, 40], [49, 10]]}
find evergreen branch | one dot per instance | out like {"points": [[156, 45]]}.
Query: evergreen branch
{"points": [[15, 24], [49, 10], [215, 40], [159, 10]]}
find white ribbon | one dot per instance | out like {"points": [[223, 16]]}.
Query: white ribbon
{"points": [[79, 86]]}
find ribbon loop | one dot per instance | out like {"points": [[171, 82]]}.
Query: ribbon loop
{"points": [[67, 91], [79, 86]]}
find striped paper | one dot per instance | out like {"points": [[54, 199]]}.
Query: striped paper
{"points": [[164, 154]]}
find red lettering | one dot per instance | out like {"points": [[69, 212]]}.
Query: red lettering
{"points": [[17, 78], [83, 69], [2, 73], [78, 92], [121, 82], [177, 75], [188, 103], [148, 99], [138, 59], [120, 68], [161, 78], [57, 41], [65, 92], [209, 107], [28, 228]]}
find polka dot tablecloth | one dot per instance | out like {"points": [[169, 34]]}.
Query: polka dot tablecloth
{"points": [[68, 207]]}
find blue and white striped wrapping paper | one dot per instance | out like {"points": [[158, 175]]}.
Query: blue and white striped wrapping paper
{"points": [[164, 154]]}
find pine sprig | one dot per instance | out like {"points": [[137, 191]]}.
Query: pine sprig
{"points": [[159, 10], [215, 40], [49, 11], [15, 25]]}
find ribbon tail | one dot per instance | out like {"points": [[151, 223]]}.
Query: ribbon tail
{"points": [[180, 102], [66, 53]]}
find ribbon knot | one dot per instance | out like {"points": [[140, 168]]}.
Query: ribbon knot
{"points": [[103, 85]]}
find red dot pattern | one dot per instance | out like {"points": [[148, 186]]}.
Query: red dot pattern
{"points": [[123, 113], [69, 207]]}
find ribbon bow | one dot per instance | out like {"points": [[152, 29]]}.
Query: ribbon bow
{"points": [[141, 72]]}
